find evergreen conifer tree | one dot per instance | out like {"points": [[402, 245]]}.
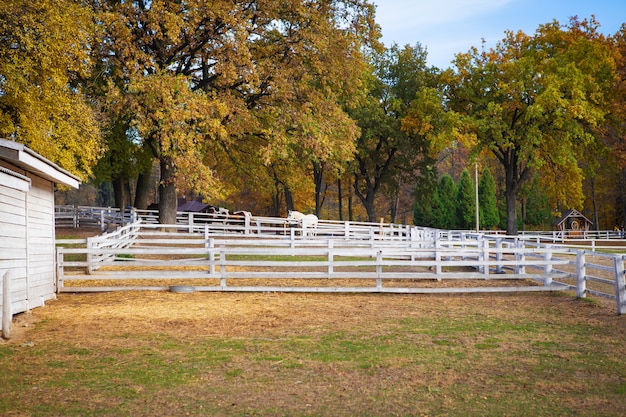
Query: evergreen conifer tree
{"points": [[465, 205], [489, 216], [447, 218]]}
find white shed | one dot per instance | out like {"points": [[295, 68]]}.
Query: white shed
{"points": [[27, 248]]}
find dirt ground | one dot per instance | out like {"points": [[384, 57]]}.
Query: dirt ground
{"points": [[466, 354], [461, 359]]}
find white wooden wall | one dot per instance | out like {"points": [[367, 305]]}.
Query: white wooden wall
{"points": [[27, 241], [13, 257], [41, 253]]}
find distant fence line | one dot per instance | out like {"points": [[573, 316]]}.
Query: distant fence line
{"points": [[108, 218], [216, 257]]}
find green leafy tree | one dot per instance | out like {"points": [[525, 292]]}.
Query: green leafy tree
{"points": [[447, 191], [537, 210], [534, 101], [489, 215], [465, 202], [427, 204], [386, 152]]}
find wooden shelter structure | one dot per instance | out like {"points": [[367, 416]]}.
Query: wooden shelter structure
{"points": [[573, 222], [27, 235]]}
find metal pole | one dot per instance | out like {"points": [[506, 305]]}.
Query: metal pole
{"points": [[476, 194]]}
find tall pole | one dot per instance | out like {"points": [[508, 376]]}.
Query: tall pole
{"points": [[476, 195]]}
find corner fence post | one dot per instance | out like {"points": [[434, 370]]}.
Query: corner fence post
{"points": [[620, 285], [581, 283], [7, 314], [379, 269]]}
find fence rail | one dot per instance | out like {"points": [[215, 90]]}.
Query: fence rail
{"points": [[149, 258], [246, 253]]}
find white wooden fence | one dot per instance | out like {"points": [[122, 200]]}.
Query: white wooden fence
{"points": [[104, 218], [146, 257]]}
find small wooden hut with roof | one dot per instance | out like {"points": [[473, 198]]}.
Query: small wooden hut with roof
{"points": [[573, 222]]}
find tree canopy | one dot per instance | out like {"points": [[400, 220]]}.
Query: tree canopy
{"points": [[273, 74], [534, 102], [45, 56], [277, 102]]}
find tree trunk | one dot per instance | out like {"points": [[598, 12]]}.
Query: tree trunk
{"points": [[511, 200], [120, 192], [594, 204], [168, 200], [350, 213], [318, 178], [288, 198], [367, 200], [142, 190], [340, 198]]}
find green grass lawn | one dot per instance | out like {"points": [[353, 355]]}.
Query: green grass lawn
{"points": [[205, 354]]}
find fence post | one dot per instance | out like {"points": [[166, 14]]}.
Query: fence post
{"points": [[620, 284], [210, 245], [7, 314], [499, 255], [223, 267], [547, 269], [379, 269], [190, 222], [330, 258], [486, 259], [60, 269], [520, 256], [89, 256], [246, 223], [438, 259], [581, 283], [346, 230]]}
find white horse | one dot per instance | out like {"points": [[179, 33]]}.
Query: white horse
{"points": [[306, 221]]}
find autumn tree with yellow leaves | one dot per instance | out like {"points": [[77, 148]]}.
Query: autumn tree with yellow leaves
{"points": [[270, 79], [45, 57], [535, 103]]}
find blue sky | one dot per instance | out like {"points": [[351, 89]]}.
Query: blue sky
{"points": [[447, 27]]}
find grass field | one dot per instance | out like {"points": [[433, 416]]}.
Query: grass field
{"points": [[268, 354]]}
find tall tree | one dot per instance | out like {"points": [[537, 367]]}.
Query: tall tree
{"points": [[533, 102], [536, 211], [447, 191], [45, 55], [489, 215], [277, 68], [385, 152], [465, 202]]}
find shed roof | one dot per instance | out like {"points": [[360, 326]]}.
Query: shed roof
{"points": [[572, 213], [193, 206], [29, 160]]}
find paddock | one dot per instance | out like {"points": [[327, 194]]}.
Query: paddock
{"points": [[143, 256]]}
